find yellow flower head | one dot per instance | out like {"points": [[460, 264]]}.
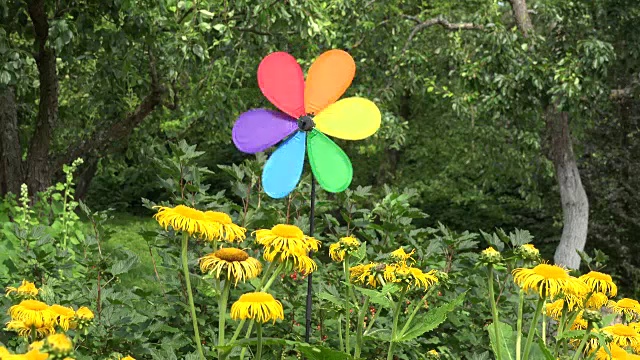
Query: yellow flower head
{"points": [[84, 313], [402, 256], [26, 290], [433, 355], [344, 247], [368, 274], [258, 306], [528, 252], [298, 258], [63, 315], [625, 306], [236, 265], [184, 218], [25, 330], [575, 292], [33, 313], [58, 344], [623, 335], [32, 355], [554, 309], [411, 277], [284, 238], [597, 300], [579, 323], [127, 358], [37, 345], [547, 280], [599, 282], [224, 228], [617, 352], [4, 352]]}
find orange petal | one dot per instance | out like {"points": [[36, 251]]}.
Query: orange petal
{"points": [[328, 78]]}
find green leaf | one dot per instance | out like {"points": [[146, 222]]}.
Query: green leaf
{"points": [[332, 298], [507, 340], [123, 266], [545, 351], [206, 13], [430, 320]]}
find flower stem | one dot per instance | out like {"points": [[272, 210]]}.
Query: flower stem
{"points": [[494, 312], [340, 333], [416, 307], [347, 328], [359, 329], [532, 328], [396, 314], [519, 325], [185, 269], [272, 278], [544, 326], [576, 356], [222, 312], [259, 351]]}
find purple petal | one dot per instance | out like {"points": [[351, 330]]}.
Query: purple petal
{"points": [[259, 129]]}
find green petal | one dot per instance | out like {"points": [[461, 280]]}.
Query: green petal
{"points": [[330, 165]]}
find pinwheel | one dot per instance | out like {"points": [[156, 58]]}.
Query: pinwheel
{"points": [[310, 111]]}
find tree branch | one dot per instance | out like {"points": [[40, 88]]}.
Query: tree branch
{"points": [[521, 16], [439, 20]]}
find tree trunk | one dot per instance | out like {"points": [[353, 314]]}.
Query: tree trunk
{"points": [[39, 172], [575, 205], [11, 172], [521, 16], [85, 176]]}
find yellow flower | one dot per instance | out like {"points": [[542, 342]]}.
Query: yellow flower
{"points": [[284, 238], [235, 263], [579, 323], [597, 300], [625, 306], [4, 352], [224, 228], [298, 257], [346, 245], [554, 309], [63, 315], [575, 293], [633, 357], [547, 280], [184, 218], [33, 355], [59, 344], [127, 358], [84, 313], [528, 252], [401, 256], [25, 330], [36, 345], [599, 282], [368, 274], [411, 276], [617, 352], [33, 313], [258, 306], [26, 289], [623, 335]]}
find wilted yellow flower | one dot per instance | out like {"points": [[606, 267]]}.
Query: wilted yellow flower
{"points": [[63, 315], [297, 257], [370, 274], [599, 282], [346, 245], [597, 300], [411, 276], [258, 306], [236, 264], [625, 306], [547, 280], [579, 323], [224, 228], [623, 335], [33, 313], [284, 238], [26, 289], [402, 256], [186, 219], [554, 309], [575, 292], [617, 352]]}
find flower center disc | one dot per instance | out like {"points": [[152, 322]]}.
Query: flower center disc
{"points": [[218, 217], [189, 212], [232, 254], [305, 123], [287, 231], [34, 305], [550, 271], [256, 297]]}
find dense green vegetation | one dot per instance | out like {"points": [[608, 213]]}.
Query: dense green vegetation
{"points": [[496, 115]]}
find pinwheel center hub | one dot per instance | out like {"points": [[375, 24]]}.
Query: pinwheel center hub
{"points": [[305, 123]]}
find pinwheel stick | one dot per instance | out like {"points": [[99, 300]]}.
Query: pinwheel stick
{"points": [[312, 223]]}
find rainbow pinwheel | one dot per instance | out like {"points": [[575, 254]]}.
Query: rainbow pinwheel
{"points": [[311, 110]]}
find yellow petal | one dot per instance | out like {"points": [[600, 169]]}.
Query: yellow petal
{"points": [[352, 118]]}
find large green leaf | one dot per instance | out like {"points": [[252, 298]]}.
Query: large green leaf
{"points": [[506, 340], [312, 352], [430, 320]]}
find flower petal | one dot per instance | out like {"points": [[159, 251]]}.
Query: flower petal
{"points": [[283, 169], [352, 118], [281, 80], [259, 129], [328, 78], [330, 165]]}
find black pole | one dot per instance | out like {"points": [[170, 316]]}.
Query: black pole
{"points": [[312, 223]]}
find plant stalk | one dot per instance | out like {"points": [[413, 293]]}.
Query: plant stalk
{"points": [[194, 319], [494, 312], [532, 328], [359, 329], [259, 351], [583, 342], [396, 314], [222, 312], [519, 325], [347, 328]]}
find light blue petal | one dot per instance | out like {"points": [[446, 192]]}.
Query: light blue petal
{"points": [[283, 169]]}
